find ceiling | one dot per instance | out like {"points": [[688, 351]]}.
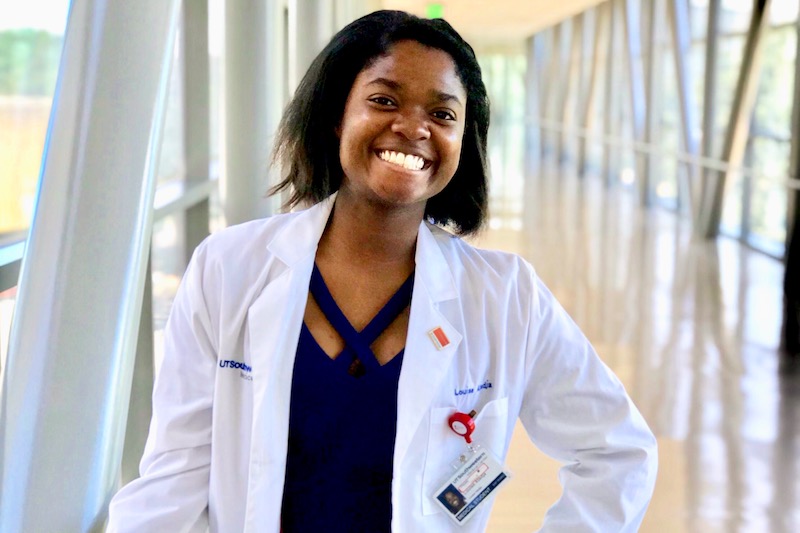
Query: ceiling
{"points": [[488, 22]]}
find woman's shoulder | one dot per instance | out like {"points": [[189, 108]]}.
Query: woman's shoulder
{"points": [[250, 236], [490, 266], [241, 254]]}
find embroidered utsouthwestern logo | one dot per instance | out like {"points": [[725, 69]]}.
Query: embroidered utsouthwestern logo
{"points": [[245, 370]]}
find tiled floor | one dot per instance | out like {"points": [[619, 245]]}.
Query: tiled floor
{"points": [[691, 327]]}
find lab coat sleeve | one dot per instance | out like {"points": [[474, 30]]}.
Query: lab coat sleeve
{"points": [[172, 492], [577, 411]]}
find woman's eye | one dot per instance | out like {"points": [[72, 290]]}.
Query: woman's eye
{"points": [[444, 115], [382, 100]]}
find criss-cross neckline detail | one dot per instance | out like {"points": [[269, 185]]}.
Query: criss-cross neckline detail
{"points": [[358, 343]]}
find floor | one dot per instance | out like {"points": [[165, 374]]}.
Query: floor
{"points": [[691, 328]]}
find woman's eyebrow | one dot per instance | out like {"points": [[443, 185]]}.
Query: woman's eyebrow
{"points": [[439, 96], [445, 97], [391, 84]]}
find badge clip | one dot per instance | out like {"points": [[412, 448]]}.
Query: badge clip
{"points": [[463, 424]]}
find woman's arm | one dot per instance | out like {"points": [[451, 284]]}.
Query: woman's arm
{"points": [[577, 411], [172, 492]]}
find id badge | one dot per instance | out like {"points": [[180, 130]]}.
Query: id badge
{"points": [[477, 474]]}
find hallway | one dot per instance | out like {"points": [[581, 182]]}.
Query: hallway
{"points": [[691, 328]]}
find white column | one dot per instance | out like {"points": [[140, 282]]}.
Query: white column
{"points": [[346, 11], [71, 353], [250, 87], [311, 25]]}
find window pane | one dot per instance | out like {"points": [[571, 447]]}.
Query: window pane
{"points": [[168, 256], [7, 301], [768, 202], [504, 75], [731, 223], [771, 138], [734, 15], [31, 39], [666, 185], [784, 11]]}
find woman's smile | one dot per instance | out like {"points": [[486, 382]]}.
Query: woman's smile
{"points": [[406, 161]]}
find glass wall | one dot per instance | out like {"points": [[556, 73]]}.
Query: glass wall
{"points": [[31, 39], [504, 76], [755, 199]]}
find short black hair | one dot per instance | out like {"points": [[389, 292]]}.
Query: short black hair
{"points": [[307, 145]]}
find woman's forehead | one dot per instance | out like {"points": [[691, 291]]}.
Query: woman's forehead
{"points": [[409, 64]]}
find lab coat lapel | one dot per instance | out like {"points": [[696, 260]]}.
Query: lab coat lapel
{"points": [[425, 361], [273, 326]]}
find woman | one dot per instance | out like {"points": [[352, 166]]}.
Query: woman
{"points": [[313, 359]]}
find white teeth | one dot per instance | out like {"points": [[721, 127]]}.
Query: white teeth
{"points": [[408, 161]]}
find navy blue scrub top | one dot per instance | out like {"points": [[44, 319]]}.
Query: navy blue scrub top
{"points": [[342, 424]]}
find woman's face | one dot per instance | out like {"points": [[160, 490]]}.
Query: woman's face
{"points": [[452, 499], [400, 135]]}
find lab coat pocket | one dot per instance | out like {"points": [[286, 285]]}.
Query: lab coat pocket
{"points": [[444, 446]]}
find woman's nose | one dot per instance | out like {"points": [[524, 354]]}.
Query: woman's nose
{"points": [[412, 126]]}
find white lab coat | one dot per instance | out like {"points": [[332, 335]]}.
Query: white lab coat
{"points": [[216, 453]]}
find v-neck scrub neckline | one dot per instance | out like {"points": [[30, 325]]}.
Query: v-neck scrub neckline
{"points": [[357, 343], [342, 427]]}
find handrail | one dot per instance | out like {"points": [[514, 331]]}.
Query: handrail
{"points": [[650, 149], [170, 198], [10, 262]]}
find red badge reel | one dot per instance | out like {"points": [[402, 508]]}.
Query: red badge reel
{"points": [[463, 424]]}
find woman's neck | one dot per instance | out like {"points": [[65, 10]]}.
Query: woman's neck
{"points": [[369, 235]]}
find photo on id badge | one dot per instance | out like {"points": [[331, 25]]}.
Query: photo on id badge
{"points": [[452, 499]]}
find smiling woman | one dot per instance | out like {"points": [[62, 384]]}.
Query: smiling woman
{"points": [[370, 339], [308, 141], [400, 134]]}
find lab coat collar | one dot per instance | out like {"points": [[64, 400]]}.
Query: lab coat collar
{"points": [[300, 237]]}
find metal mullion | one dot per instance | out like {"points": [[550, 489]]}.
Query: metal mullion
{"points": [[633, 43], [582, 83], [709, 108], [747, 192], [541, 55], [681, 39], [197, 116], [654, 75], [533, 89], [610, 153], [739, 121], [601, 15], [552, 87], [572, 76]]}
